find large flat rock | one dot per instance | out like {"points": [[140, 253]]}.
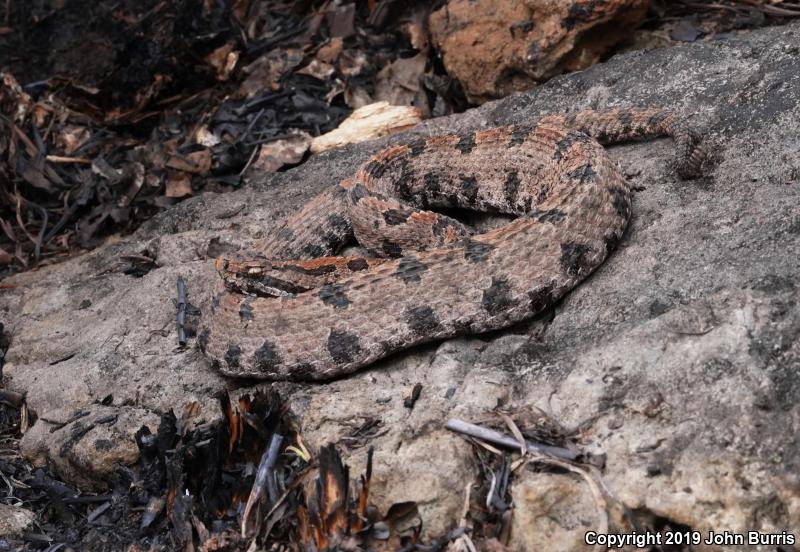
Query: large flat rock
{"points": [[679, 358]]}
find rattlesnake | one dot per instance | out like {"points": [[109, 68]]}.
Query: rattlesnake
{"points": [[430, 278]]}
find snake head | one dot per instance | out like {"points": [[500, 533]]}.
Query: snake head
{"points": [[256, 277]]}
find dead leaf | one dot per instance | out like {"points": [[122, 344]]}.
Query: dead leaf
{"points": [[686, 31], [39, 114], [265, 72], [341, 20], [197, 162], [317, 69], [330, 52], [141, 99], [223, 60], [137, 174], [356, 97], [205, 137], [279, 153], [399, 82], [33, 174], [13, 100], [72, 137], [415, 30], [5, 257], [178, 185], [101, 167], [336, 88], [352, 63]]}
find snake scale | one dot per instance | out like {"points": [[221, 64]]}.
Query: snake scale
{"points": [[428, 276]]}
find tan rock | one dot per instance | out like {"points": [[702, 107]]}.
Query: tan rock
{"points": [[495, 47], [14, 520], [551, 512]]}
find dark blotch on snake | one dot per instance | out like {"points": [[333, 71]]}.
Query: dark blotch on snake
{"points": [[466, 144], [519, 133], [332, 240], [358, 192], [564, 145], [357, 264], [333, 295], [584, 173], [375, 168], [202, 339], [266, 358], [262, 286], [403, 189], [416, 147], [497, 297], [541, 298], [626, 120], [477, 252], [314, 250], [343, 347], [391, 249], [611, 242], [658, 119], [552, 216], [402, 175], [393, 217], [431, 184], [511, 186], [469, 187], [422, 320], [410, 269], [338, 223], [621, 201], [580, 12], [573, 258], [246, 310], [232, 356]]}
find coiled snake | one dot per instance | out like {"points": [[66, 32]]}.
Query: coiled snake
{"points": [[320, 316]]}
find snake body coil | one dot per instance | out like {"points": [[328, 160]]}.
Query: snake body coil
{"points": [[319, 316]]}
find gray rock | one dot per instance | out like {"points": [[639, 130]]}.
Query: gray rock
{"points": [[679, 358]]}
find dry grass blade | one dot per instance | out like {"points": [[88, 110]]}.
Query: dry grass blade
{"points": [[463, 543], [512, 426], [18, 202], [65, 159], [772, 9], [780, 9], [711, 6]]}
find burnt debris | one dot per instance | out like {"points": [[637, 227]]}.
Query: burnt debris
{"points": [[110, 113]]}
